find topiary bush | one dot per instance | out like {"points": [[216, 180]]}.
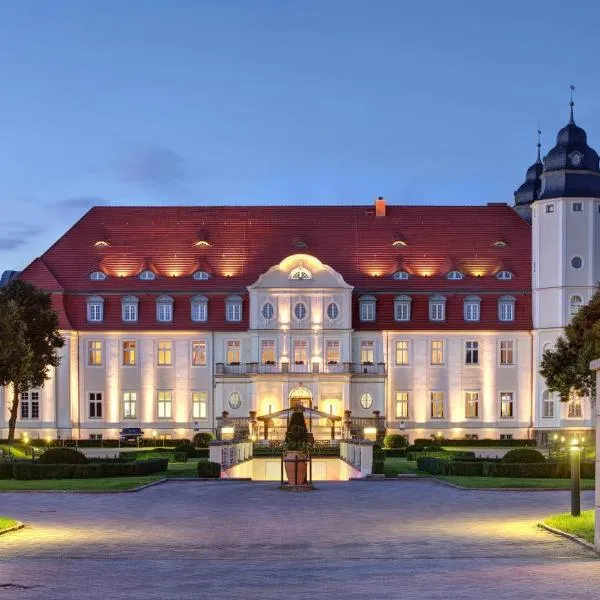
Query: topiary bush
{"points": [[201, 440], [209, 469], [523, 455], [62, 456], [394, 440]]}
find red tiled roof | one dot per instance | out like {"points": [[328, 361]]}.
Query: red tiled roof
{"points": [[246, 241]]}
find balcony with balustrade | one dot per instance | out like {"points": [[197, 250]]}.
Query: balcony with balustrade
{"points": [[300, 368]]}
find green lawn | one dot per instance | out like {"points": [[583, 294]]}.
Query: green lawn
{"points": [[109, 484], [582, 526], [513, 482], [15, 451], [399, 466], [6, 523], [184, 469]]}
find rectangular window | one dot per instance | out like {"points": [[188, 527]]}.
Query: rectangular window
{"points": [[95, 405], [95, 436], [165, 311], [574, 410], [401, 405], [506, 436], [437, 352], [507, 311], [506, 405], [471, 405], [199, 405], [233, 352], [35, 405], [402, 353], [129, 353], [199, 311], [25, 405], [507, 352], [332, 352], [547, 405], [95, 311], [367, 352], [165, 353], [165, 405], [300, 352], [471, 353], [437, 311], [367, 311], [437, 405], [130, 311], [199, 354], [129, 405], [267, 352], [471, 311], [549, 208], [95, 353], [234, 311], [402, 311], [577, 206]]}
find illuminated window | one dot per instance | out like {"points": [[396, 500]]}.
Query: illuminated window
{"points": [[97, 276], [402, 353], [402, 308], [547, 405], [506, 405], [129, 353], [455, 275], [101, 244], [199, 353], [300, 272], [471, 405], [233, 352], [367, 352], [235, 400], [437, 352], [165, 353], [199, 306], [147, 275], [574, 408], [506, 308], [267, 352], [401, 275], [164, 309], [437, 308], [300, 352], [575, 304], [95, 309], [199, 405], [164, 405], [366, 400], [504, 275], [507, 352], [367, 308], [300, 311], [332, 352], [95, 353], [129, 309], [401, 405], [233, 308], [471, 353], [95, 405], [472, 308], [333, 311], [268, 311], [129, 405], [200, 275], [437, 405]]}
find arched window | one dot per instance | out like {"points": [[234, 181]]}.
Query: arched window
{"points": [[504, 275], [402, 308], [333, 311], [233, 308], [575, 304], [437, 308], [300, 272], [97, 276], [95, 309], [506, 308], [366, 306], [129, 308], [164, 309], [268, 311], [300, 311], [235, 400], [472, 308], [199, 306], [455, 275], [547, 405], [147, 275], [401, 275], [200, 275]]}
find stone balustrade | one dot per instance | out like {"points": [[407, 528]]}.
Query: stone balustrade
{"points": [[359, 454], [229, 453]]}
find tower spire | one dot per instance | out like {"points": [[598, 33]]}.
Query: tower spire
{"points": [[571, 104], [539, 145]]}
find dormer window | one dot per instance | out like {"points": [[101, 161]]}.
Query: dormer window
{"points": [[97, 276], [199, 308], [472, 308], [402, 308], [147, 275], [437, 308], [455, 275], [95, 309], [398, 243], [164, 309], [500, 244], [233, 309], [366, 306], [506, 308], [129, 309], [504, 275], [101, 244], [300, 272], [200, 275], [401, 275]]}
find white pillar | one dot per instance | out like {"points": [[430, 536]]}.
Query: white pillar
{"points": [[366, 458], [595, 366]]}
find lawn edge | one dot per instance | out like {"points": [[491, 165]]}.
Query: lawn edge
{"points": [[502, 489], [18, 525], [569, 536], [137, 489]]}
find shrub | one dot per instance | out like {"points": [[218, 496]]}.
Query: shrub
{"points": [[395, 452], [467, 469], [6, 470], [435, 466], [394, 440], [479, 443], [523, 455], [201, 440], [378, 467], [62, 456], [209, 469]]}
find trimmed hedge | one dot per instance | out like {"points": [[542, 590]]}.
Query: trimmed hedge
{"points": [[35, 470], [479, 443], [201, 440], [168, 453], [62, 456], [523, 455], [394, 440], [395, 452], [209, 469]]}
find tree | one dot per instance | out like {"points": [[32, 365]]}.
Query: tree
{"points": [[566, 367], [29, 339]]}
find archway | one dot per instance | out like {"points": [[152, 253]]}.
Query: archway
{"points": [[300, 396]]}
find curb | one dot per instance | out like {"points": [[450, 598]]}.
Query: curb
{"points": [[569, 536], [502, 489], [137, 489], [18, 525]]}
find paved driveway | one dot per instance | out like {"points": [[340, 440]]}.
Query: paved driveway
{"points": [[405, 539]]}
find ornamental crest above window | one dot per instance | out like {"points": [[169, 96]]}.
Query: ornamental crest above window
{"points": [[300, 272]]}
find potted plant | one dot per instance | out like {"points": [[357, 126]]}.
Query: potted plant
{"points": [[297, 445]]}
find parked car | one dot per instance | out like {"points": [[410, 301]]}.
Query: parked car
{"points": [[131, 435]]}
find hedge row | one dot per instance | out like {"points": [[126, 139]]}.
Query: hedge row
{"points": [[445, 454], [170, 454], [147, 442], [478, 443], [209, 469], [28, 470], [546, 470]]}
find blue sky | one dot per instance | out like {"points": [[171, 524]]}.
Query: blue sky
{"points": [[275, 101]]}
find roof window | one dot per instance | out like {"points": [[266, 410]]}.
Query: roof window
{"points": [[455, 275], [147, 275], [97, 276]]}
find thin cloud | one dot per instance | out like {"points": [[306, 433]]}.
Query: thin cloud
{"points": [[16, 235], [81, 203]]}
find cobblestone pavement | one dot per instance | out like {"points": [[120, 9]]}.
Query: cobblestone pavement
{"points": [[404, 539]]}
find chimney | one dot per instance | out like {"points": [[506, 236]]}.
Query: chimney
{"points": [[380, 207]]}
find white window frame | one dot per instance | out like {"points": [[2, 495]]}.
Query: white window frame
{"points": [[441, 349], [332, 345], [442, 403], [200, 402], [147, 275], [402, 400], [336, 308], [200, 275], [268, 343], [165, 352], [472, 397], [239, 395], [548, 402], [402, 306], [230, 345], [233, 309], [129, 402], [504, 275], [367, 346], [269, 308], [508, 351], [404, 351], [437, 308], [506, 308], [512, 401], [167, 404], [367, 309], [472, 350], [455, 275], [125, 351], [472, 309], [95, 400], [98, 276], [164, 309], [368, 395], [99, 349], [192, 352], [401, 276], [129, 309], [95, 309], [575, 307], [199, 309]]}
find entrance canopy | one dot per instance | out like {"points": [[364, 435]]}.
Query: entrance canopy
{"points": [[286, 413]]}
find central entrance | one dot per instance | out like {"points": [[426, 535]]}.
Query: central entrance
{"points": [[300, 396]]}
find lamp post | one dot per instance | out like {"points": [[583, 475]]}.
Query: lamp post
{"points": [[575, 478]]}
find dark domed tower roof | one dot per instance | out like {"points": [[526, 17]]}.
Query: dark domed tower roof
{"points": [[571, 167], [530, 188]]}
